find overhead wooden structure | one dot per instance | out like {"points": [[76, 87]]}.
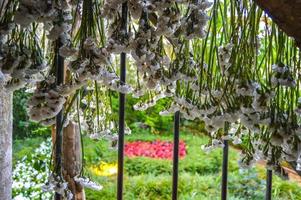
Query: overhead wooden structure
{"points": [[286, 14]]}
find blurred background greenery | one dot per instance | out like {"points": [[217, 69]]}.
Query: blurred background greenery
{"points": [[150, 179]]}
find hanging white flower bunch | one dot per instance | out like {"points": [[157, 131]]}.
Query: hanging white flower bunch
{"points": [[216, 74]]}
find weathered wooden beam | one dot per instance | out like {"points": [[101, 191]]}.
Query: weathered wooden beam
{"points": [[72, 159], [286, 14]]}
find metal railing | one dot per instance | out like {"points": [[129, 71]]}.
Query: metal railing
{"points": [[175, 173], [59, 63], [60, 74], [122, 109], [225, 170]]}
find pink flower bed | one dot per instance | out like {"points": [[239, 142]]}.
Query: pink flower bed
{"points": [[155, 149]]}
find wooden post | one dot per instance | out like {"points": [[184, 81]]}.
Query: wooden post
{"points": [[72, 159]]}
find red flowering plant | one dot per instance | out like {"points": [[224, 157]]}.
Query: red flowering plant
{"points": [[154, 149]]}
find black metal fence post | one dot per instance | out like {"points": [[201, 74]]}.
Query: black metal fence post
{"points": [[268, 194], [122, 110], [225, 170], [59, 67], [175, 172]]}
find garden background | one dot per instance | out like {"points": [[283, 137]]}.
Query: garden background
{"points": [[145, 178], [239, 69]]}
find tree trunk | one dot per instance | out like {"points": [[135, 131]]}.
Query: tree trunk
{"points": [[286, 14], [5, 144], [72, 159]]}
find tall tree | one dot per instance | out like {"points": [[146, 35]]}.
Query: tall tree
{"points": [[5, 144], [6, 128]]}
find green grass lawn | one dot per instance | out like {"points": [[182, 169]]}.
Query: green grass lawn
{"points": [[150, 179]]}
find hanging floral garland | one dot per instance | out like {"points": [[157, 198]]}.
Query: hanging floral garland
{"points": [[223, 63]]}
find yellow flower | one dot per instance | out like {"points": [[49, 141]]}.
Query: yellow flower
{"points": [[105, 169]]}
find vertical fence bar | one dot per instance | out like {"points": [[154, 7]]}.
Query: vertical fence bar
{"points": [[225, 170], [122, 110], [175, 172], [268, 194], [59, 72]]}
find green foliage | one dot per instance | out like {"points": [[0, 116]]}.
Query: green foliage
{"points": [[97, 151], [149, 187], [31, 172], [140, 165], [286, 190], [157, 122], [246, 184], [22, 127], [148, 179], [25, 147], [192, 163], [139, 128], [150, 117]]}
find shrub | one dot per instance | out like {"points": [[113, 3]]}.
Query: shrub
{"points": [[149, 187], [25, 147], [31, 172], [97, 151], [246, 184], [147, 179], [22, 126], [150, 117], [283, 189], [140, 165]]}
